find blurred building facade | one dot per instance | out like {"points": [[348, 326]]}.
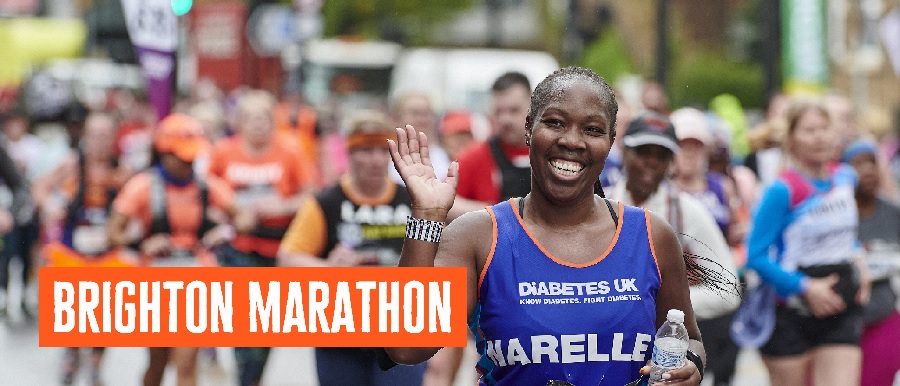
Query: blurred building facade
{"points": [[221, 41]]}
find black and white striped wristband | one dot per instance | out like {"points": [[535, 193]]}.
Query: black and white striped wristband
{"points": [[423, 230]]}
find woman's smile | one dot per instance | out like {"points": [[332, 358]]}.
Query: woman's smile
{"points": [[566, 170]]}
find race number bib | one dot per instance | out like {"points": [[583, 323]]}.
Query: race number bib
{"points": [[254, 195], [883, 259], [178, 258], [90, 239]]}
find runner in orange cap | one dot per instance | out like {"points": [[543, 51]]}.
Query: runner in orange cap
{"points": [[180, 217]]}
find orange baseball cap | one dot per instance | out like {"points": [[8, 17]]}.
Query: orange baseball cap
{"points": [[457, 121], [180, 135]]}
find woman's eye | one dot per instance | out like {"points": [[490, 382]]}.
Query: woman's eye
{"points": [[595, 130], [552, 122]]}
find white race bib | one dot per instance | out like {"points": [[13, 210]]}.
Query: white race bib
{"points": [[90, 239]]}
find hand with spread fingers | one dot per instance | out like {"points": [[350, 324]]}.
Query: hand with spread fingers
{"points": [[428, 193]]}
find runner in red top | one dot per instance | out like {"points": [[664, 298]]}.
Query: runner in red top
{"points": [[498, 169]]}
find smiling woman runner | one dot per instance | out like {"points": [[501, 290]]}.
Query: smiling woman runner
{"points": [[517, 252]]}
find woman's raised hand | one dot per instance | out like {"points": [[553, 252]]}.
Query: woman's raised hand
{"points": [[429, 195]]}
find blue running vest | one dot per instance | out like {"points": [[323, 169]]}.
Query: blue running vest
{"points": [[539, 318]]}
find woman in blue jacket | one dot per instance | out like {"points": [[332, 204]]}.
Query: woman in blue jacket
{"points": [[804, 243]]}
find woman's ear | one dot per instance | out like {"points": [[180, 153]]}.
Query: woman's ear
{"points": [[529, 126]]}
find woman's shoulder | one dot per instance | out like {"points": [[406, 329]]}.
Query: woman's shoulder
{"points": [[663, 239], [623, 209], [476, 228], [473, 222], [778, 189], [141, 181], [470, 236]]}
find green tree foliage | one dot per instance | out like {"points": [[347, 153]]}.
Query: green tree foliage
{"points": [[608, 56], [409, 21], [697, 79]]}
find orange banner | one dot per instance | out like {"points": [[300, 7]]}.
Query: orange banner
{"points": [[252, 307]]}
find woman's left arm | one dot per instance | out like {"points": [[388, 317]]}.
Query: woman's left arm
{"points": [[674, 293]]}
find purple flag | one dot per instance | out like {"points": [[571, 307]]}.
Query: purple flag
{"points": [[153, 28], [158, 68]]}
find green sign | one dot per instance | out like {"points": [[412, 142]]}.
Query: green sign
{"points": [[804, 46]]}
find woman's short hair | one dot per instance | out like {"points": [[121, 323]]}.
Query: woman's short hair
{"points": [[552, 86], [369, 122], [509, 80]]}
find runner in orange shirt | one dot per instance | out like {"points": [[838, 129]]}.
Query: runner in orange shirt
{"points": [[268, 179], [179, 218], [298, 123]]}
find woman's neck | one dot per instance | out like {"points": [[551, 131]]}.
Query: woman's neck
{"points": [[812, 169], [176, 177], [559, 215], [637, 198], [256, 149], [866, 204], [368, 187], [691, 182], [639, 195], [97, 158]]}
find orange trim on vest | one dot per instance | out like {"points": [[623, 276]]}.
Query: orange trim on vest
{"points": [[650, 240], [561, 261], [490, 256]]}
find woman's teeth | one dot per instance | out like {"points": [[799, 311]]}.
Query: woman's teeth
{"points": [[566, 168]]}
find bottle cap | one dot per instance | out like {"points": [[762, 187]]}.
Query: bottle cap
{"points": [[676, 316]]}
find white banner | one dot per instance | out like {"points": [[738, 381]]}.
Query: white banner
{"points": [[152, 24]]}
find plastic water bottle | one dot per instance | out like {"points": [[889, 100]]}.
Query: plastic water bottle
{"points": [[670, 346]]}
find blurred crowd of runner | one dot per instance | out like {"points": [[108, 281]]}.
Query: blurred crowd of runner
{"points": [[251, 179]]}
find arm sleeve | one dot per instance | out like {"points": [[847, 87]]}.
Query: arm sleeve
{"points": [[307, 233], [771, 219], [707, 241]]}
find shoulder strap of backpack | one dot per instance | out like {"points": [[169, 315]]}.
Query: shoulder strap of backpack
{"points": [[675, 216], [160, 222], [799, 187], [160, 215], [206, 223], [500, 159], [78, 201]]}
